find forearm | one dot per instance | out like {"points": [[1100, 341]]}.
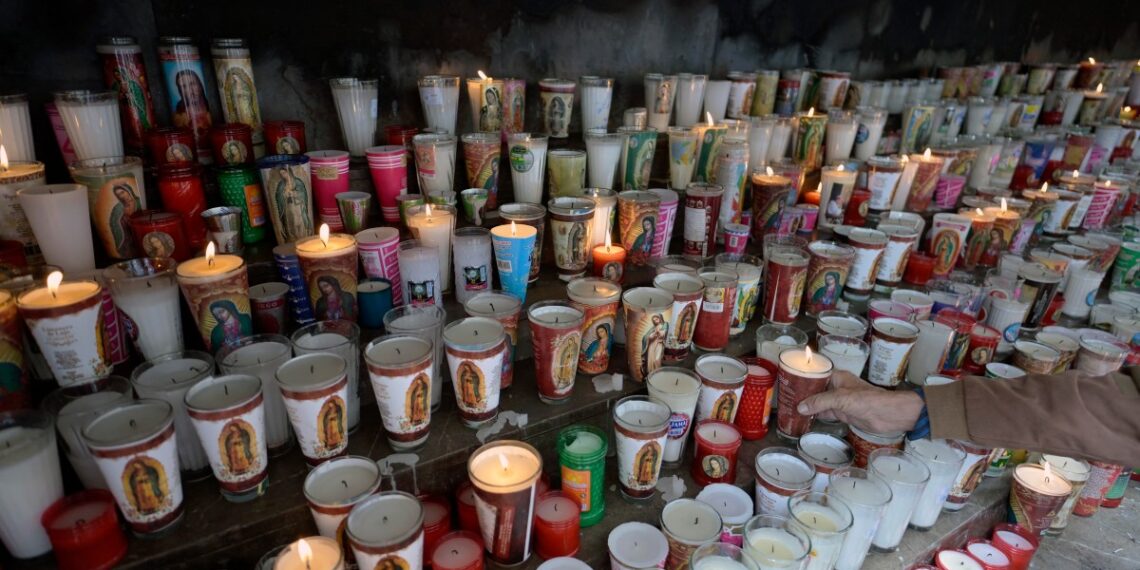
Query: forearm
{"points": [[1065, 414]]}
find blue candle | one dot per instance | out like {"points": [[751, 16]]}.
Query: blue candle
{"points": [[375, 299], [513, 244]]}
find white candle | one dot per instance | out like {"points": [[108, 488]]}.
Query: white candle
{"points": [[826, 520], [956, 560], [557, 509], [779, 474], [868, 496], [13, 177], [988, 554], [29, 468], [432, 225], [315, 388], [907, 477], [399, 367], [731, 502], [716, 98], [781, 136], [678, 388], [691, 90], [16, 127], [596, 94], [261, 355], [847, 353], [426, 323], [870, 131], [826, 453], [146, 292], [228, 414], [472, 249], [420, 271], [435, 162], [439, 95], [334, 487], [636, 545], [340, 337], [311, 553], [563, 563], [841, 130], [74, 413], [603, 154], [356, 105], [845, 325], [63, 318], [527, 155], [54, 206], [770, 349], [720, 375], [92, 122], [690, 522], [943, 461], [387, 528], [169, 378], [774, 548]]}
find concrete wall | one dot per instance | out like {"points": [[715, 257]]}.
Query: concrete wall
{"points": [[49, 45]]}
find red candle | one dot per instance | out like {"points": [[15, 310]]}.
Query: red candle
{"points": [[285, 137], [609, 261], [718, 443], [784, 285], [84, 530], [172, 145], [468, 516], [856, 214], [458, 550], [437, 521], [400, 135], [990, 557], [756, 399], [715, 318], [1018, 544], [954, 560], [556, 525], [919, 269], [180, 187], [160, 234], [983, 344], [232, 144]]}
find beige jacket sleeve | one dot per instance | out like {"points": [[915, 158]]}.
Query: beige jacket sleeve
{"points": [[1066, 414]]}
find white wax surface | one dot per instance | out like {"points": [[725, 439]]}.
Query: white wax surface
{"points": [[584, 443], [638, 545], [433, 512], [67, 294], [222, 392], [385, 519], [555, 316], [943, 461], [343, 480], [773, 546], [691, 521], [1015, 540], [311, 370], [956, 561], [718, 433], [798, 361], [166, 374], [1036, 479], [719, 563], [473, 331], [782, 467], [842, 325], [198, 267], [825, 448], [986, 552], [398, 351], [722, 368], [732, 502], [556, 509], [486, 304], [326, 555], [127, 424]]}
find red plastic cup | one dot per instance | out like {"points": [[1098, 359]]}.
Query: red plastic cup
{"points": [[437, 520], [12, 253], [1018, 544]]}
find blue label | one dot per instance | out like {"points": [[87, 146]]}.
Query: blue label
{"points": [[1010, 332], [862, 133], [1090, 299], [678, 424]]}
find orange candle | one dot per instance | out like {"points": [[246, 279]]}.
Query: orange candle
{"points": [[609, 261]]}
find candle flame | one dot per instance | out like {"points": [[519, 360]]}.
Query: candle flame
{"points": [[609, 241], [1048, 471], [709, 119], [979, 211], [503, 462], [811, 112], [1044, 187], [1099, 87], [211, 251], [1092, 61], [3, 158], [769, 171], [427, 210], [927, 153], [905, 159], [305, 552], [807, 350], [482, 75], [840, 168], [1127, 109], [325, 234], [1004, 205], [819, 187], [514, 228], [54, 279]]}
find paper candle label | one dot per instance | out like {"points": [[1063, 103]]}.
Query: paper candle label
{"points": [[147, 484], [505, 522], [477, 381], [404, 400], [184, 68], [332, 285], [647, 332], [638, 229], [678, 425], [408, 557], [577, 483], [238, 92], [112, 201], [73, 344], [970, 474], [639, 461], [571, 244], [825, 283], [556, 109], [321, 424], [681, 328], [236, 447], [715, 403], [864, 268], [888, 361], [894, 260], [695, 230], [290, 201], [747, 294], [522, 159], [597, 337]]}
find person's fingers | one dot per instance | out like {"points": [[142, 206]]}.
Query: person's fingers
{"points": [[822, 402], [841, 379]]}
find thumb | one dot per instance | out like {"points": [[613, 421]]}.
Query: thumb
{"points": [[822, 402]]}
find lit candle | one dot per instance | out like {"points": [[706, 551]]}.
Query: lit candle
{"points": [[217, 290], [709, 136], [485, 95], [29, 466], [1036, 496], [14, 176], [387, 528], [433, 225], [513, 244], [311, 553], [64, 319], [334, 487], [329, 265], [836, 186], [609, 260], [807, 139], [802, 374], [504, 474]]}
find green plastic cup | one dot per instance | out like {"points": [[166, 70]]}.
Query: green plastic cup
{"points": [[582, 455], [241, 188]]}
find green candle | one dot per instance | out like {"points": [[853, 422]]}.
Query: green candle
{"points": [[582, 454]]}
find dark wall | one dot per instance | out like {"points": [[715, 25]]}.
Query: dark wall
{"points": [[297, 45]]}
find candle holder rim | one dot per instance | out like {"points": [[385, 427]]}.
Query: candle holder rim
{"points": [[851, 472], [904, 456], [642, 398], [137, 373], [59, 398], [334, 377], [228, 349], [331, 464], [793, 453], [143, 432], [496, 339], [345, 328], [489, 446], [678, 503], [846, 513], [371, 360]]}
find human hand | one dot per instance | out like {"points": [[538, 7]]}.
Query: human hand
{"points": [[868, 407]]}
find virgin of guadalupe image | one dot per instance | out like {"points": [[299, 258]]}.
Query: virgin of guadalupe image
{"points": [[557, 115], [418, 400], [126, 204], [230, 323], [488, 173], [577, 241], [392, 562], [144, 481], [471, 392], [566, 365], [240, 104], [645, 464], [945, 246], [685, 323], [237, 442], [653, 345], [490, 115], [131, 89], [598, 350], [334, 302], [827, 294], [643, 243], [330, 424], [662, 100], [724, 407], [291, 197], [517, 109]]}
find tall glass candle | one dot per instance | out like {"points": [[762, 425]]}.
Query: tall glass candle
{"points": [[439, 95], [387, 529], [53, 206], [595, 94], [341, 337], [808, 136], [556, 334], [481, 155], [780, 473], [485, 95], [476, 347], [868, 496], [714, 321], [526, 153], [216, 289], [944, 461], [146, 292], [260, 356], [598, 301], [702, 208], [92, 122], [288, 190], [170, 377], [328, 264], [186, 89], [571, 223], [514, 245], [690, 98], [581, 453], [66, 320], [356, 105], [557, 98], [688, 293], [16, 124], [419, 267], [29, 464], [1076, 472], [228, 414], [605, 153], [426, 323], [682, 156], [334, 487], [435, 162], [315, 389], [640, 427], [784, 287], [907, 476], [504, 474], [401, 368], [826, 519]]}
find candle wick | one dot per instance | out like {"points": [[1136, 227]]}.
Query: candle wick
{"points": [[556, 507], [312, 369], [454, 552], [385, 519], [814, 520], [696, 521], [345, 483], [899, 467], [852, 483], [777, 471], [148, 284], [226, 387], [398, 351], [131, 423], [492, 306]]}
